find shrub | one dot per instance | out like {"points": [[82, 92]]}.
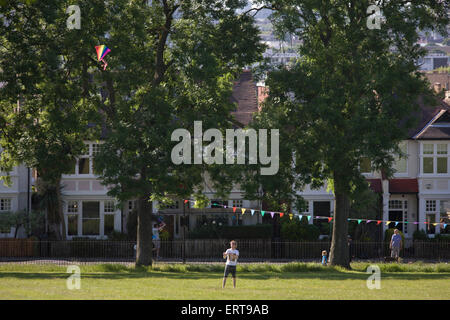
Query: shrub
{"points": [[295, 230], [257, 231], [420, 235]]}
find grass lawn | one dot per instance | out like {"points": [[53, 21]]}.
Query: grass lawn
{"points": [[202, 282]]}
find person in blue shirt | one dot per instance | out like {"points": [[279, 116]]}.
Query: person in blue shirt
{"points": [[396, 244], [324, 258]]}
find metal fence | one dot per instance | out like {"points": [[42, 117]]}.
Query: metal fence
{"points": [[97, 251]]}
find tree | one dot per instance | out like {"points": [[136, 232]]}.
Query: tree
{"points": [[47, 98], [349, 96], [172, 65]]}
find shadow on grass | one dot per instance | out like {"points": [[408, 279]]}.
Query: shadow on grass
{"points": [[327, 275]]}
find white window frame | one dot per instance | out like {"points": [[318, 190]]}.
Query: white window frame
{"points": [[435, 156], [397, 159]]}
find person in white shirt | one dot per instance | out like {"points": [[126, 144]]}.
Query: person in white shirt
{"points": [[232, 254]]}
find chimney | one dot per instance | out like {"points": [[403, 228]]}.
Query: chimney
{"points": [[437, 87]]}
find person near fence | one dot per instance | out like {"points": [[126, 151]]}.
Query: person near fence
{"points": [[155, 237], [232, 254], [395, 245], [324, 258]]}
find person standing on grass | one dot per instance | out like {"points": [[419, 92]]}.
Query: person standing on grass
{"points": [[232, 254], [155, 237], [324, 258], [395, 245]]}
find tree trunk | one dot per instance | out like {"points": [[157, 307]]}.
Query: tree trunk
{"points": [[144, 232], [339, 252], [60, 210]]}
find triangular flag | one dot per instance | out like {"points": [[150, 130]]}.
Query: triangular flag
{"points": [[309, 218], [378, 222], [253, 211], [225, 207], [300, 217], [262, 213], [445, 225], [368, 221], [272, 214], [290, 216], [387, 222], [330, 218], [234, 209], [186, 201], [281, 214], [396, 223], [359, 221], [435, 224], [243, 210]]}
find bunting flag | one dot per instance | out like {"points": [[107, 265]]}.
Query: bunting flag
{"points": [[300, 216]]}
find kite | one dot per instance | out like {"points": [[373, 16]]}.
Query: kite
{"points": [[102, 51]]}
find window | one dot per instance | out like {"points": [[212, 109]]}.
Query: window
{"points": [[91, 218], [430, 219], [83, 166], [430, 206], [95, 149], [445, 216], [72, 206], [237, 203], [72, 224], [109, 206], [395, 204], [5, 204], [400, 164], [131, 205], [108, 223], [435, 158], [365, 165]]}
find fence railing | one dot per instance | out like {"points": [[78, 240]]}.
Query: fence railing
{"points": [[207, 250]]}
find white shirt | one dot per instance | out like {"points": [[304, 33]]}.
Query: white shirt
{"points": [[229, 261]]}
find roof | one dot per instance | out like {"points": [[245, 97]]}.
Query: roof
{"points": [[403, 186], [432, 119], [434, 123], [244, 94]]}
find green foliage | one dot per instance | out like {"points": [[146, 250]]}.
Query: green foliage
{"points": [[296, 230], [33, 223], [258, 231], [420, 235]]}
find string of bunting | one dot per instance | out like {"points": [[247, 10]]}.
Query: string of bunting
{"points": [[300, 216]]}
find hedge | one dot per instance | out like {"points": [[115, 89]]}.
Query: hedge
{"points": [[257, 231]]}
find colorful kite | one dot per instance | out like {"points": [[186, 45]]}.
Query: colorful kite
{"points": [[102, 51]]}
